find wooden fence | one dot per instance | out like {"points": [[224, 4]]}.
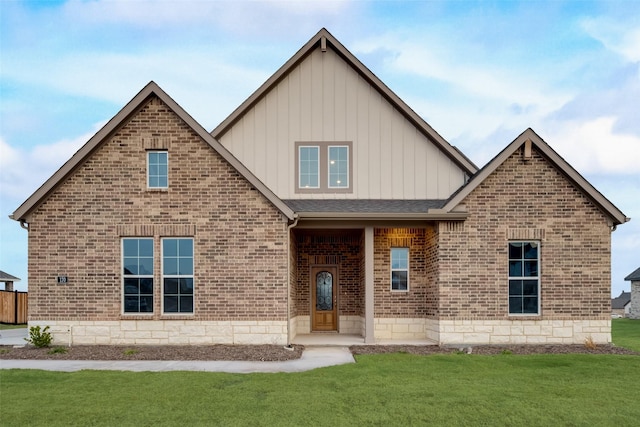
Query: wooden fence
{"points": [[13, 307]]}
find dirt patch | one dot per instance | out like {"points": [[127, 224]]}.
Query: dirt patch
{"points": [[264, 353], [490, 349]]}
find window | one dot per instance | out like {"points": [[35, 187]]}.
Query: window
{"points": [[309, 164], [399, 269], [158, 169], [177, 275], [323, 167], [137, 263], [524, 278], [338, 167]]}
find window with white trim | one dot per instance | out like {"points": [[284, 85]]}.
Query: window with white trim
{"points": [[309, 167], [338, 166], [157, 169], [323, 167], [177, 275], [137, 277], [524, 278], [399, 269]]}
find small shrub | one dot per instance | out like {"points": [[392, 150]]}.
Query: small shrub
{"points": [[589, 343], [57, 350], [39, 338], [130, 352], [4, 350], [506, 351]]}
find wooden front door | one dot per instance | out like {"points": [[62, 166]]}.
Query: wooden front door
{"points": [[324, 298]]}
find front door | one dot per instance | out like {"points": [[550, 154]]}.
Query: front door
{"points": [[324, 298]]}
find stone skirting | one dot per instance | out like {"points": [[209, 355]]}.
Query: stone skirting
{"points": [[399, 329], [634, 305], [165, 332], [521, 331], [353, 325]]}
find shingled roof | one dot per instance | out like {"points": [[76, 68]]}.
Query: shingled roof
{"points": [[6, 277], [635, 276]]}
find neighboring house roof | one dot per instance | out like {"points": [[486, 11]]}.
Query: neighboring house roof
{"points": [[6, 277], [151, 89], [635, 276], [324, 40], [617, 217], [621, 301]]}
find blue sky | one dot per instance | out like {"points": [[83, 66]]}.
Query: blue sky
{"points": [[480, 72]]}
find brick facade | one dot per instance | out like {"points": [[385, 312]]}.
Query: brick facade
{"points": [[525, 199], [240, 238]]}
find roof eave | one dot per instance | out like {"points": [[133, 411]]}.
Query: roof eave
{"points": [[384, 216], [616, 216], [453, 153], [151, 89]]}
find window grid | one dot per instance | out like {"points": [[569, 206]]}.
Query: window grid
{"points": [[177, 275], [157, 169], [399, 269], [309, 165], [137, 277], [524, 278], [338, 166]]}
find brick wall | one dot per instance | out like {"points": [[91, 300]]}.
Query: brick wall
{"points": [[526, 200], [417, 302], [240, 239], [342, 248]]}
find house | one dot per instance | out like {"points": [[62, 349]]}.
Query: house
{"points": [[634, 303], [620, 305], [8, 280], [322, 204]]}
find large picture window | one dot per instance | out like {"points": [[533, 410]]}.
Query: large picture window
{"points": [[323, 167], [524, 278], [177, 275], [137, 263], [399, 269]]}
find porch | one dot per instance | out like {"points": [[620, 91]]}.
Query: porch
{"points": [[341, 291]]}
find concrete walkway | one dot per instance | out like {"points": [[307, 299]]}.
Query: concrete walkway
{"points": [[312, 357]]}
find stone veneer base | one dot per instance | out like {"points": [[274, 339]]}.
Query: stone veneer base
{"points": [[521, 331], [165, 332]]}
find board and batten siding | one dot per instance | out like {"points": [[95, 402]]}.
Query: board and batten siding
{"points": [[324, 99]]}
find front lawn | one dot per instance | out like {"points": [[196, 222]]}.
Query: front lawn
{"points": [[4, 326], [626, 333], [391, 389]]}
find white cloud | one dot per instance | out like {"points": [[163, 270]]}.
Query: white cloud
{"points": [[615, 36], [22, 171], [592, 147]]}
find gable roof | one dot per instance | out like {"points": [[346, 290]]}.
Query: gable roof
{"points": [[621, 301], [6, 277], [635, 276], [616, 216], [324, 40], [150, 90]]}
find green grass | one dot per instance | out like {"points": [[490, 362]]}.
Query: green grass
{"points": [[392, 389], [4, 326], [626, 333]]}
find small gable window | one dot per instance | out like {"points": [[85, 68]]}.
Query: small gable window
{"points": [[399, 269], [524, 278], [157, 169], [323, 167]]}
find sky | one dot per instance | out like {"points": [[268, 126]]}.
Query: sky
{"points": [[479, 72]]}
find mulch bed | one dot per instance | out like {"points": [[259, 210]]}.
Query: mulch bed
{"points": [[269, 353], [491, 349]]}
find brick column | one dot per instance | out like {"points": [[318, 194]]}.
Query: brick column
{"points": [[368, 286]]}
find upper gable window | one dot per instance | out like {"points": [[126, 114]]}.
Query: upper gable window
{"points": [[323, 167], [309, 165], [157, 169], [524, 278]]}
